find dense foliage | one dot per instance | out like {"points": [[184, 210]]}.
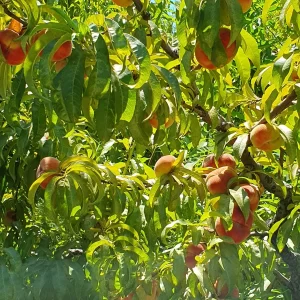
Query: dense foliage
{"points": [[108, 114]]}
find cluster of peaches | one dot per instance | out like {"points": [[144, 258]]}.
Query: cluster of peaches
{"points": [[217, 183], [13, 52]]}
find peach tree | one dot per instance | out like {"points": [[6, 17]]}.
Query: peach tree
{"points": [[149, 149]]}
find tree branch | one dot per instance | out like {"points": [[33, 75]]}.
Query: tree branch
{"points": [[288, 101], [172, 52], [12, 15]]}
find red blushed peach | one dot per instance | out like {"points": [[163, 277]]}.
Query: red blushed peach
{"points": [[266, 137], [230, 51], [238, 217], [239, 232], [164, 165], [223, 161], [191, 252], [47, 164], [253, 194], [218, 179], [11, 47], [63, 51], [222, 292]]}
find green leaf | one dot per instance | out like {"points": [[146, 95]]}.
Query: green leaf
{"points": [[92, 248], [195, 130], [38, 119], [100, 77], [280, 71], [243, 66], [172, 80], [240, 145], [71, 83], [241, 198], [284, 233], [117, 37], [105, 117], [209, 23], [250, 48], [236, 19], [142, 56]]}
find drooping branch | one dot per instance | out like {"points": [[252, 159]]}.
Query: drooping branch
{"points": [[12, 15]]}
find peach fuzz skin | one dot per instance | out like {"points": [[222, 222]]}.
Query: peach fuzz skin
{"points": [[47, 164], [223, 161], [265, 137], [164, 165], [218, 179]]}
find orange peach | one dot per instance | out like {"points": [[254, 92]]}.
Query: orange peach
{"points": [[60, 65], [123, 3], [246, 4], [164, 165], [218, 179], [154, 122], [11, 47], [222, 292], [47, 164], [15, 26], [224, 160], [266, 137], [230, 51]]}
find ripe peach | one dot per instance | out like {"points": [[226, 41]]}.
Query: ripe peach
{"points": [[191, 252], [294, 75], [63, 51], [246, 4], [265, 137], [154, 122], [238, 217], [253, 194], [15, 26], [123, 3], [224, 160], [164, 165], [238, 232], [230, 51], [60, 65], [11, 48], [222, 292], [47, 164], [218, 179]]}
